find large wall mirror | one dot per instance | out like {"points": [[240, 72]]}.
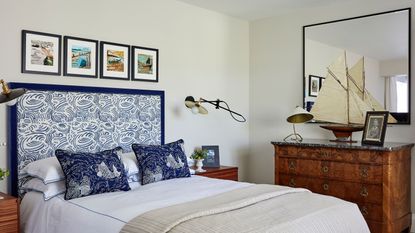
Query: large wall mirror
{"points": [[382, 39]]}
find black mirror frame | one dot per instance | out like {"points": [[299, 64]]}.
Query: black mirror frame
{"points": [[408, 121]]}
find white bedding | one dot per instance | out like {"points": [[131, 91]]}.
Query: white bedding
{"points": [[107, 213]]}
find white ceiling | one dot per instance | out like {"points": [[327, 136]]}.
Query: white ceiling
{"points": [[257, 9]]}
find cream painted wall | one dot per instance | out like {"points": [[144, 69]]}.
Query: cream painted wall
{"points": [[276, 81], [202, 53]]}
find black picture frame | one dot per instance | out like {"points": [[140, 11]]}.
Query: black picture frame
{"points": [[146, 76], [31, 59], [374, 131], [103, 67], [314, 85], [212, 159], [93, 45]]}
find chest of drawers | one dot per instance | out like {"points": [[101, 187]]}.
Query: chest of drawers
{"points": [[377, 179]]}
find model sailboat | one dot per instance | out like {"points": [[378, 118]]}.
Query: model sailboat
{"points": [[344, 100]]}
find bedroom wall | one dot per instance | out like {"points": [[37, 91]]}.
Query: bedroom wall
{"points": [[202, 53], [276, 83]]}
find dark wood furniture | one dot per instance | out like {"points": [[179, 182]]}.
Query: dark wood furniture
{"points": [[222, 172], [376, 178], [9, 214]]}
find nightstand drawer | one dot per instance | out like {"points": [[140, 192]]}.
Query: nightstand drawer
{"points": [[9, 214], [223, 172]]}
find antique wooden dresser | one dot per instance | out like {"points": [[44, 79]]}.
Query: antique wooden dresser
{"points": [[377, 178]]}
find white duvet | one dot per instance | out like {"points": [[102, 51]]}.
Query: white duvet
{"points": [[108, 213]]}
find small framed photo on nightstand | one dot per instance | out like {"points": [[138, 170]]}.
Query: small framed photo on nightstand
{"points": [[212, 158]]}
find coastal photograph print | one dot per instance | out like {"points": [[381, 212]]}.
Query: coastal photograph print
{"points": [[375, 127], [212, 157], [41, 53], [115, 61], [144, 64], [313, 85], [80, 57]]}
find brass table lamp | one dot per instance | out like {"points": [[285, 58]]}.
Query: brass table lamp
{"points": [[298, 116]]}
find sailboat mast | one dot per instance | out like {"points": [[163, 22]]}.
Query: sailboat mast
{"points": [[364, 78], [347, 89]]}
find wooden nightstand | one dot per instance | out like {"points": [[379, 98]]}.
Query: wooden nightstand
{"points": [[9, 214], [222, 172]]}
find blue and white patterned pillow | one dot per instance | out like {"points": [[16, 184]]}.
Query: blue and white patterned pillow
{"points": [[92, 173], [161, 162]]}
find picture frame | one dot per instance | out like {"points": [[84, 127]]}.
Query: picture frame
{"points": [[212, 159], [309, 105], [41, 53], [114, 61], [144, 64], [314, 85], [80, 57], [375, 127]]}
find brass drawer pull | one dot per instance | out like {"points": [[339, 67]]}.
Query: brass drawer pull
{"points": [[364, 172], [325, 169], [291, 165], [364, 192], [292, 182], [364, 211], [325, 186], [324, 154]]}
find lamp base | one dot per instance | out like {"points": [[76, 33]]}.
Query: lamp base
{"points": [[293, 137]]}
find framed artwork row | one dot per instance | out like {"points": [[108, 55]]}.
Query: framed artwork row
{"points": [[41, 54]]}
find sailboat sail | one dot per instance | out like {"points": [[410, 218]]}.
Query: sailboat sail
{"points": [[343, 98]]}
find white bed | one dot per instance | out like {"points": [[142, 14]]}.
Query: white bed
{"points": [[109, 212]]}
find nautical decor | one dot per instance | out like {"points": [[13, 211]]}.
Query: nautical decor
{"points": [[344, 100]]}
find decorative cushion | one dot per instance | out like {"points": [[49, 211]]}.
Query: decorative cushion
{"points": [[92, 173], [49, 190], [163, 162], [48, 170]]}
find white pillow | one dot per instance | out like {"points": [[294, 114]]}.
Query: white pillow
{"points": [[48, 170], [48, 190], [130, 163]]}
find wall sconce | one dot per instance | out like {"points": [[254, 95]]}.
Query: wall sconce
{"points": [[196, 107], [299, 115], [10, 94]]}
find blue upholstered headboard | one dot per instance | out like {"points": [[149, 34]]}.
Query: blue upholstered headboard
{"points": [[50, 117]]}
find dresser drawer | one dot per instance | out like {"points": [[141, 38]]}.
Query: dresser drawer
{"points": [[333, 170], [331, 154], [371, 211], [350, 191]]}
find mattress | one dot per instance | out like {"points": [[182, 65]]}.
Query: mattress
{"points": [[109, 212]]}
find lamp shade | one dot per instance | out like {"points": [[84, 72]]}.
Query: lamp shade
{"points": [[195, 105], [10, 94], [299, 115]]}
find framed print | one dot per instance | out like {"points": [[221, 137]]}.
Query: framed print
{"points": [[41, 53], [375, 127], [115, 61], [314, 84], [80, 57], [212, 158], [145, 64]]}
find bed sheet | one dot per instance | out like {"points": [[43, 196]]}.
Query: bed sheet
{"points": [[108, 213]]}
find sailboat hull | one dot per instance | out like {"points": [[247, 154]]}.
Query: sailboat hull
{"points": [[343, 133]]}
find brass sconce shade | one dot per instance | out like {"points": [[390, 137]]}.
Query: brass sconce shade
{"points": [[196, 107], [299, 115], [10, 94]]}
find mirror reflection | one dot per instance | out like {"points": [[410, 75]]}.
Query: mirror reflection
{"points": [[381, 39]]}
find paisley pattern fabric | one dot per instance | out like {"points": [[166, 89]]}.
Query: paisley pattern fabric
{"points": [[163, 162], [80, 121], [92, 173]]}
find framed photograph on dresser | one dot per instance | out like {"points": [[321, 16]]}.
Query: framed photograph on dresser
{"points": [[212, 158], [375, 127]]}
